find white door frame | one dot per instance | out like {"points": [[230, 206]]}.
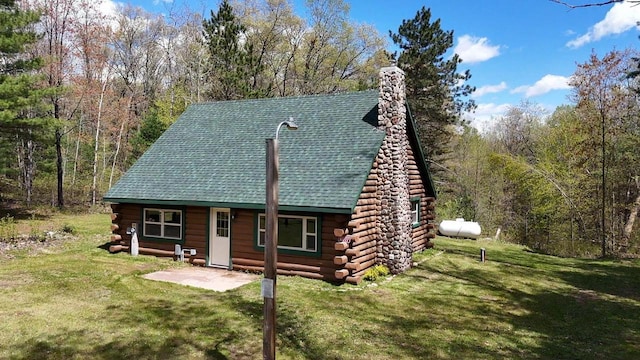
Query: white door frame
{"points": [[219, 246]]}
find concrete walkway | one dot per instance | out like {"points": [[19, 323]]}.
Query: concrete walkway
{"points": [[206, 278]]}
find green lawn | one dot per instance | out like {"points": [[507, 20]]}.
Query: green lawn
{"points": [[75, 300]]}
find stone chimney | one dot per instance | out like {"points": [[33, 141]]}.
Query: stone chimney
{"points": [[394, 249]]}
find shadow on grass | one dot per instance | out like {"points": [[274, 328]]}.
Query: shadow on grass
{"points": [[69, 345], [293, 326], [593, 314], [159, 330], [620, 278]]}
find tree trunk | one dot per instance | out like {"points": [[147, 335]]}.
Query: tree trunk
{"points": [[628, 226], [60, 169], [96, 146], [75, 158], [115, 156]]}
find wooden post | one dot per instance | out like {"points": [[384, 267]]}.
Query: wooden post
{"points": [[270, 253]]}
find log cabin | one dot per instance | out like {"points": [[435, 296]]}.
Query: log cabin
{"points": [[355, 190]]}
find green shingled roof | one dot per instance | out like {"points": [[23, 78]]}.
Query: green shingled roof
{"points": [[214, 154]]}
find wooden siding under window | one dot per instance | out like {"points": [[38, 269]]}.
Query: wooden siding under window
{"points": [[245, 256]]}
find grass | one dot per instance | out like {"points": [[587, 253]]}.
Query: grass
{"points": [[77, 301]]}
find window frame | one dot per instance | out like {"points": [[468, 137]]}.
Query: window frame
{"points": [[415, 214], [163, 224], [304, 232]]}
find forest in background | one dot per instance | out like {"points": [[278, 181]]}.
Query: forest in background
{"points": [[84, 93]]}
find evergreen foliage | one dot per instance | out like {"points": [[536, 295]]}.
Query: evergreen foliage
{"points": [[21, 111], [434, 91], [231, 62]]}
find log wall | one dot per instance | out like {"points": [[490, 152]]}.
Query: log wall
{"points": [[245, 256], [421, 235], [195, 232]]}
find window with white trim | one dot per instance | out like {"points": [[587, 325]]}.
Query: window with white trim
{"points": [[294, 232], [163, 223], [415, 212]]}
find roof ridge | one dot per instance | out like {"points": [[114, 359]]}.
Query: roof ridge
{"points": [[339, 93]]}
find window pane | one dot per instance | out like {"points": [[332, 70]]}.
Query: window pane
{"points": [[262, 221], [171, 231], [152, 230], [222, 224], [152, 215], [261, 240], [222, 232], [311, 242], [311, 226], [172, 217], [290, 232]]}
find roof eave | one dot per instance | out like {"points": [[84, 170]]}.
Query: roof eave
{"points": [[231, 205]]}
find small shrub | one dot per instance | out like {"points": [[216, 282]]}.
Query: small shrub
{"points": [[68, 229], [8, 229], [376, 272]]}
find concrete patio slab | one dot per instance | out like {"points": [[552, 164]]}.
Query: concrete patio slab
{"points": [[206, 278]]}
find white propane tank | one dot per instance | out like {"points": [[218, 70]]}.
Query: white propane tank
{"points": [[460, 228]]}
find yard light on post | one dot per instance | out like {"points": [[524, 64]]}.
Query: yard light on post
{"points": [[271, 245]]}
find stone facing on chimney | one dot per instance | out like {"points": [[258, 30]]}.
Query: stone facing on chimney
{"points": [[394, 248]]}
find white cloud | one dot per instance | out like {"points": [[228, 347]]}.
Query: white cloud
{"points": [[489, 89], [484, 115], [473, 49], [621, 17], [546, 84]]}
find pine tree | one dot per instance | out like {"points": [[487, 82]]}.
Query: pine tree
{"points": [[21, 127], [231, 63], [435, 96]]}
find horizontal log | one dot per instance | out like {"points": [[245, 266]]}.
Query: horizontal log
{"points": [[341, 246], [364, 258], [341, 274], [283, 265], [429, 216], [365, 226], [115, 227], [367, 201], [364, 208], [368, 264], [341, 259], [157, 252], [118, 248], [114, 216], [116, 237], [286, 272], [352, 266], [369, 189], [370, 215], [198, 262], [356, 253], [355, 223], [367, 239], [362, 246], [371, 181], [340, 232], [368, 195], [364, 231], [355, 280]]}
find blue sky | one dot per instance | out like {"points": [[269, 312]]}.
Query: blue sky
{"points": [[515, 49]]}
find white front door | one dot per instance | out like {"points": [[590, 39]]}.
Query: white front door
{"points": [[219, 237]]}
